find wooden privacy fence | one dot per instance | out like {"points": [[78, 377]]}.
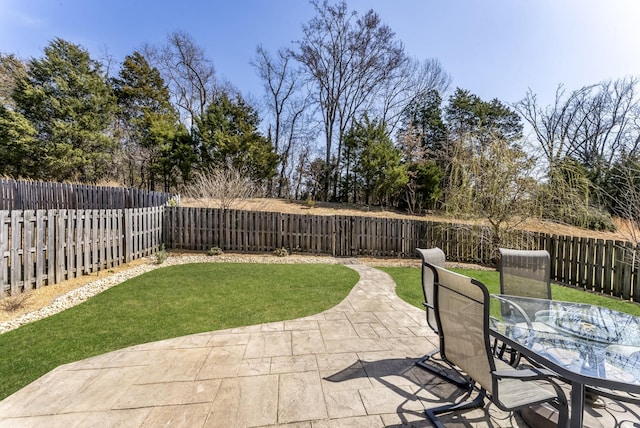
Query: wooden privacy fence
{"points": [[39, 247], [47, 247], [603, 266], [341, 236], [36, 195], [609, 267]]}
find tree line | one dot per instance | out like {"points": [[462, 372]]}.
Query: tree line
{"points": [[347, 115]]}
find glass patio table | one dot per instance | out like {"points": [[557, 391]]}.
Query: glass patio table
{"points": [[586, 345]]}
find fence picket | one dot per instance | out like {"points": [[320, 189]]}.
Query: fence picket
{"points": [[15, 256], [4, 252], [28, 250]]}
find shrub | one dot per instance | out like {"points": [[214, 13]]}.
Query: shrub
{"points": [[215, 251], [160, 256], [310, 203], [15, 303], [281, 252]]}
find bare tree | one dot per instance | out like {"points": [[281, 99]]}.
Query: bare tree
{"points": [[347, 60], [298, 174], [413, 152], [552, 125], [582, 135], [282, 85], [592, 124], [188, 72], [413, 79], [624, 195], [605, 129], [224, 187]]}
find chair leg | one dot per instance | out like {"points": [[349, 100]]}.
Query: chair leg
{"points": [[432, 414], [460, 382]]}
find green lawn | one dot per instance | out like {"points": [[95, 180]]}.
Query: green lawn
{"points": [[408, 281], [170, 302]]}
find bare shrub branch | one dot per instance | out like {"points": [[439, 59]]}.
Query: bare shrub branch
{"points": [[222, 187], [15, 303]]}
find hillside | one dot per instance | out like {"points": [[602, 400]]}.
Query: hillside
{"points": [[329, 208]]}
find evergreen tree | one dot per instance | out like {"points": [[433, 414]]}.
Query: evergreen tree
{"points": [[469, 116], [423, 117], [423, 141], [67, 100], [152, 136], [378, 169], [16, 133], [228, 135], [12, 70], [16, 144]]}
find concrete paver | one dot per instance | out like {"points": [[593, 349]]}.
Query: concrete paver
{"points": [[351, 366]]}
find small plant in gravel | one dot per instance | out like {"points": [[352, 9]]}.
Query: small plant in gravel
{"points": [[15, 303], [281, 252], [160, 256], [215, 251]]}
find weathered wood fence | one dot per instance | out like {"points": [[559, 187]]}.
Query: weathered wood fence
{"points": [[36, 195], [608, 267], [341, 236], [43, 247], [46, 247]]}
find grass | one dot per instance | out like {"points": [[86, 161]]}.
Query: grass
{"points": [[408, 281], [170, 302]]}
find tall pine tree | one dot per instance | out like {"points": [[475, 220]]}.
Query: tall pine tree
{"points": [[151, 133], [67, 100], [228, 136]]}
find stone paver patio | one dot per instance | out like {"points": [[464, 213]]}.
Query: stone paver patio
{"points": [[351, 366]]}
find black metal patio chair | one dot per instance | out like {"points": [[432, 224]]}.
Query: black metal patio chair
{"points": [[435, 257], [462, 313], [525, 273]]}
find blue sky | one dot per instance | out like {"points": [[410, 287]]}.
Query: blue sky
{"points": [[494, 48]]}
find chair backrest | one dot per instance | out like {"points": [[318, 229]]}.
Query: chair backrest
{"points": [[462, 313], [432, 256], [525, 273]]}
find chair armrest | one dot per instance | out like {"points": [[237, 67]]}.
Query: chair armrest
{"points": [[524, 374], [533, 374], [516, 307]]}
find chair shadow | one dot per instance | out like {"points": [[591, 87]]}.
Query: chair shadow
{"points": [[432, 390], [624, 414]]}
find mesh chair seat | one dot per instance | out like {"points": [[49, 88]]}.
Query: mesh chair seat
{"points": [[516, 393]]}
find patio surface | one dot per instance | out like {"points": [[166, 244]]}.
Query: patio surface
{"points": [[351, 366]]}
